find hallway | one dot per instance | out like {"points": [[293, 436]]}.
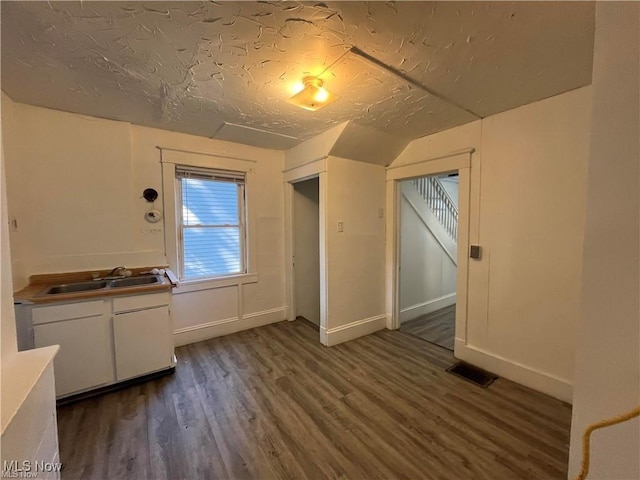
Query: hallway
{"points": [[436, 327]]}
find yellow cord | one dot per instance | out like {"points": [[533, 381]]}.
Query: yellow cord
{"points": [[586, 437]]}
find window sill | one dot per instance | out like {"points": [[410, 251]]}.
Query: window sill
{"points": [[210, 284]]}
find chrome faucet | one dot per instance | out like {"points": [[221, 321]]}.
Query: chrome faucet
{"points": [[116, 272]]}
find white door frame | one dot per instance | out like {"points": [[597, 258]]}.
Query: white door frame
{"points": [[456, 161], [316, 169]]}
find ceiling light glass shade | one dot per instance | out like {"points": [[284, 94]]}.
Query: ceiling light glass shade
{"points": [[313, 96]]}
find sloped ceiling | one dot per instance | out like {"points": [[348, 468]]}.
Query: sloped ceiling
{"points": [[207, 67]]}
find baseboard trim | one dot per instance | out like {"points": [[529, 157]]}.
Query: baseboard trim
{"points": [[226, 326], [353, 330], [543, 382], [419, 309], [265, 312]]}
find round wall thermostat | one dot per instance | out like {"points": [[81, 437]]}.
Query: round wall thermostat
{"points": [[153, 216]]}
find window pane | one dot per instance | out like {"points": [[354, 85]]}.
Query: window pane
{"points": [[209, 202], [210, 252]]}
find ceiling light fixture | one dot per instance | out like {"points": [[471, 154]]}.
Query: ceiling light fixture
{"points": [[313, 96]]}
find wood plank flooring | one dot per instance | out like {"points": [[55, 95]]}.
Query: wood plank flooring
{"points": [[437, 327], [272, 403]]}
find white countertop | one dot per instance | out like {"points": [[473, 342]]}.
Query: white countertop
{"points": [[19, 374]]}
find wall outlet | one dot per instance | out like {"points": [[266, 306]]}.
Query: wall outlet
{"points": [[340, 226]]}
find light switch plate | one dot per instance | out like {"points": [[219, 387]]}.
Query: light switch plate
{"points": [[340, 226]]}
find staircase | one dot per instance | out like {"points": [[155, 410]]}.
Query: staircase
{"points": [[439, 202]]}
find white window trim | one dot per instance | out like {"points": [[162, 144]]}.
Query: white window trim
{"points": [[169, 159]]}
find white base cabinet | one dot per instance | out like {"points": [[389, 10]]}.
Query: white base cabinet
{"points": [[85, 357], [142, 340], [105, 341], [143, 334]]}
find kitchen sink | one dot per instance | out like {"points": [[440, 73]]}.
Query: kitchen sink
{"points": [[75, 287], [134, 281], [101, 284]]}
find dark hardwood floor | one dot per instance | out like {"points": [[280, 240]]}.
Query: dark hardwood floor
{"points": [[273, 403], [437, 327]]}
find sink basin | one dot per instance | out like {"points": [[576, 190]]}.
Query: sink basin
{"points": [[134, 281], [101, 285], [75, 287]]}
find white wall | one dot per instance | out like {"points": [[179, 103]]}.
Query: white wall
{"points": [[75, 185], [427, 273], [315, 148], [356, 268], [69, 181], [27, 409], [607, 374], [528, 181], [7, 319], [202, 311], [450, 184], [306, 224]]}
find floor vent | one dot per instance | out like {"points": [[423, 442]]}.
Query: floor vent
{"points": [[472, 374]]}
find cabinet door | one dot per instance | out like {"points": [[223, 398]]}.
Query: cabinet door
{"points": [[143, 342], [85, 357]]}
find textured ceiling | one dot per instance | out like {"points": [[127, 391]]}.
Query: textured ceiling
{"points": [[207, 67]]}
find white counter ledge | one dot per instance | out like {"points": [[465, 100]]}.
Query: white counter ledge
{"points": [[19, 375]]}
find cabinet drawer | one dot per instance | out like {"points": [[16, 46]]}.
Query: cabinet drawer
{"points": [[67, 311], [138, 302]]}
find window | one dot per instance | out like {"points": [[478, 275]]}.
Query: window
{"points": [[211, 218]]}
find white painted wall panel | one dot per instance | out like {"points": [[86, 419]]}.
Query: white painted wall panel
{"points": [[532, 220], [528, 187], [69, 187], [204, 306], [356, 192]]}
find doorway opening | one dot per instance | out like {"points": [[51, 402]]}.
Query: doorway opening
{"points": [[306, 250], [428, 256]]}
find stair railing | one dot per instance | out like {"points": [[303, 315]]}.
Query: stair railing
{"points": [[440, 203]]}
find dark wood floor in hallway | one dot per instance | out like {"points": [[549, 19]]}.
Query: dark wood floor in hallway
{"points": [[437, 327], [273, 403]]}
